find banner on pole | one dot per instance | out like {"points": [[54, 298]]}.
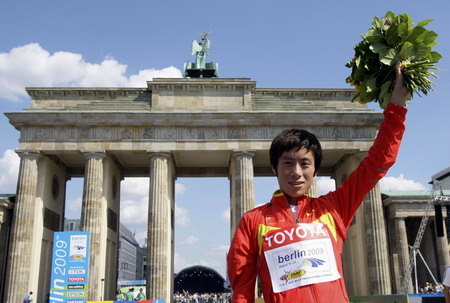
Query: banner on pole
{"points": [[70, 266]]}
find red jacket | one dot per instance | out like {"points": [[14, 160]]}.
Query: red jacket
{"points": [[336, 209]]}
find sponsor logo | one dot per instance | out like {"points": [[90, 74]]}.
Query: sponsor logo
{"points": [[75, 286], [75, 279], [292, 275], [74, 294], [296, 234], [76, 301], [77, 271], [78, 238], [77, 256]]}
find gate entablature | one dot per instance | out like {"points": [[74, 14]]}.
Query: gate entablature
{"points": [[180, 116]]}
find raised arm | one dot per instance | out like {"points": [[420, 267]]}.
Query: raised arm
{"points": [[400, 92]]}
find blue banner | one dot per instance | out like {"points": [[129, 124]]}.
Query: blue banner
{"points": [[70, 266]]}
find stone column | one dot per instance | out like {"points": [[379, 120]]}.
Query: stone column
{"points": [[242, 189], [377, 248], [92, 217], [160, 228], [312, 192], [442, 250], [20, 258], [403, 250], [6, 208]]}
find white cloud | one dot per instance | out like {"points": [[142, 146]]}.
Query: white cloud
{"points": [[9, 168], [141, 237], [134, 206], [191, 240], [325, 185], [181, 216], [134, 213], [180, 189], [31, 65], [73, 208], [135, 188], [220, 250], [145, 75], [226, 215], [400, 183], [180, 263], [210, 263]]}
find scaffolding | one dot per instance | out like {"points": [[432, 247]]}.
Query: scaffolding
{"points": [[414, 250]]}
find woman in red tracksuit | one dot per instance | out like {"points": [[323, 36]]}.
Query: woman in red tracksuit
{"points": [[295, 242]]}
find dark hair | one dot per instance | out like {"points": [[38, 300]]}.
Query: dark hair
{"points": [[295, 138]]}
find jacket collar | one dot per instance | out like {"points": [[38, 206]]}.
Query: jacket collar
{"points": [[280, 199]]}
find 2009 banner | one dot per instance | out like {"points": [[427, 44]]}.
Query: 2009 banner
{"points": [[70, 266]]}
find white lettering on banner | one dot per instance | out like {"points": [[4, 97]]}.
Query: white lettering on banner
{"points": [[54, 293], [300, 232]]}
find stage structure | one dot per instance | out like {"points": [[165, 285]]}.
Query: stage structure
{"points": [[183, 127]]}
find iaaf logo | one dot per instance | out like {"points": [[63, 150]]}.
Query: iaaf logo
{"points": [[77, 271], [289, 275], [294, 274], [75, 279]]}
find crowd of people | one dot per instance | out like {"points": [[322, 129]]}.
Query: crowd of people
{"points": [[186, 297], [131, 295], [430, 288]]}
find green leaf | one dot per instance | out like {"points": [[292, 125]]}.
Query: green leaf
{"points": [[430, 38], [369, 90], [405, 52], [389, 56], [424, 22], [377, 47], [373, 36], [419, 51], [392, 35], [403, 31], [386, 88], [417, 35], [435, 57]]}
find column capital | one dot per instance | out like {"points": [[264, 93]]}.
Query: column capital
{"points": [[28, 154], [5, 210], [93, 154], [400, 218], [5, 204], [159, 153], [243, 152]]}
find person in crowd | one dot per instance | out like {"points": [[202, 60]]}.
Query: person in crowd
{"points": [[120, 296], [130, 295], [141, 295], [29, 298]]}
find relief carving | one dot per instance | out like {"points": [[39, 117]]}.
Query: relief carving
{"points": [[127, 133]]}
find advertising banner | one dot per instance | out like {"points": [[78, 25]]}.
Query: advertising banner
{"points": [[70, 265]]}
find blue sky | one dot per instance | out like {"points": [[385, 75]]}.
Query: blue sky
{"points": [[278, 44]]}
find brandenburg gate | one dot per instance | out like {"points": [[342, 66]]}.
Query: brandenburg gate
{"points": [[174, 127]]}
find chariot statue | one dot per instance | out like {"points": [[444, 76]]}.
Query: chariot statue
{"points": [[201, 68]]}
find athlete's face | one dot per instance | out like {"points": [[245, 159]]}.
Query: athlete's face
{"points": [[295, 173]]}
